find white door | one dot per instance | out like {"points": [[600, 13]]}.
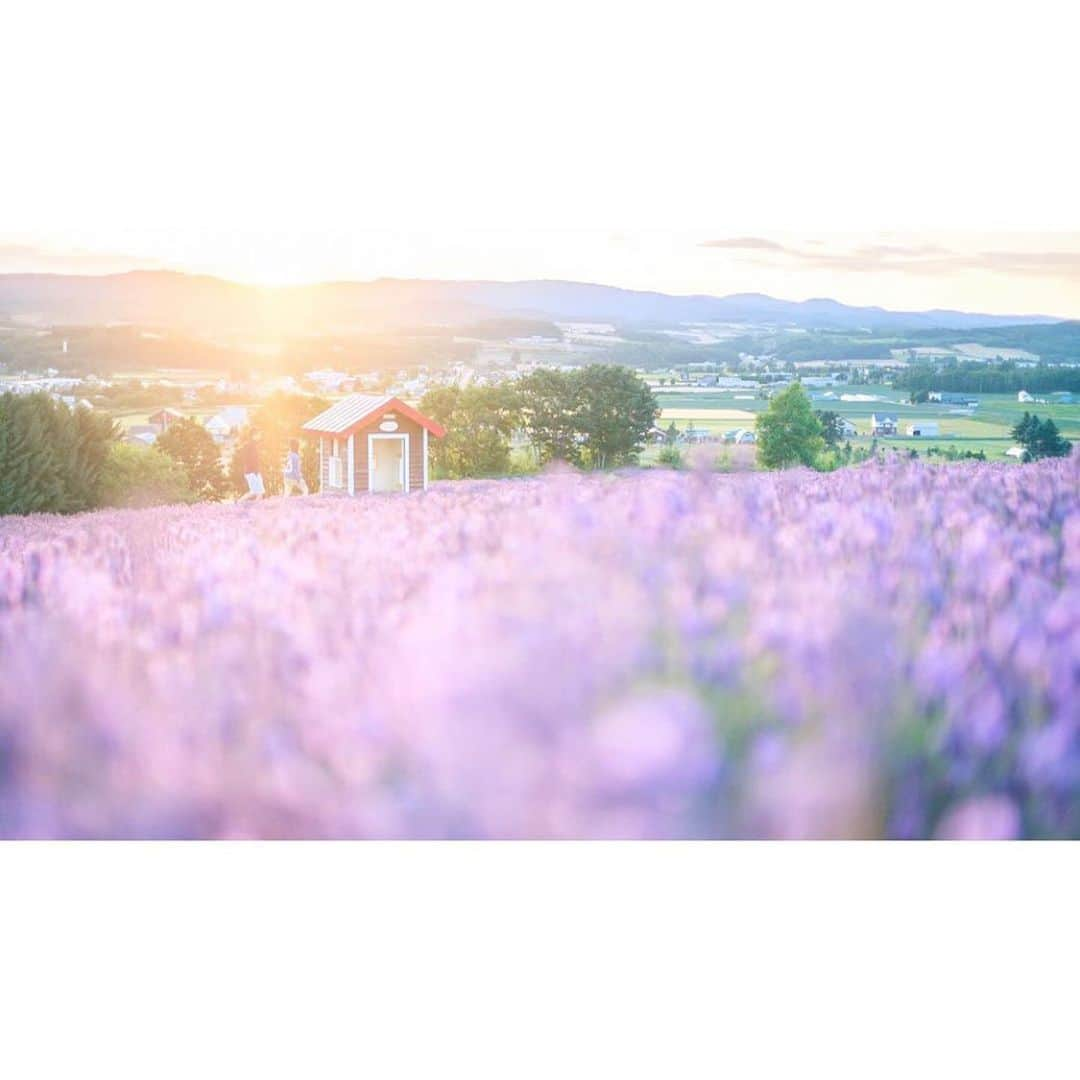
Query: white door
{"points": [[388, 463]]}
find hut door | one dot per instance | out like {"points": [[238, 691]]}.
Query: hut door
{"points": [[389, 462]]}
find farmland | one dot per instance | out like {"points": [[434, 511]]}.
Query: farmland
{"points": [[891, 650], [987, 428]]}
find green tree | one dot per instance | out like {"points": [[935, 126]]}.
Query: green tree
{"points": [[671, 436], [1026, 429], [309, 464], [193, 448], [480, 422], [788, 432], [1040, 438], [832, 427], [237, 483], [1051, 443], [548, 404], [51, 457], [615, 411], [279, 419], [670, 456], [142, 476]]}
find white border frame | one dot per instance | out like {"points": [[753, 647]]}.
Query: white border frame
{"points": [[402, 437]]}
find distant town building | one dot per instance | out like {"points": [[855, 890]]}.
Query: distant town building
{"points": [[693, 435], [163, 419], [923, 429], [740, 436], [141, 435], [228, 422], [947, 398], [883, 423]]}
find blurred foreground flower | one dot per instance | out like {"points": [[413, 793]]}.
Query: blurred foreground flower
{"points": [[882, 651]]}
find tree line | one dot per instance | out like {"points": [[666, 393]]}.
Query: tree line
{"points": [[989, 379], [595, 417], [59, 460]]}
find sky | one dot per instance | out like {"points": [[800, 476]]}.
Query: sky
{"points": [[912, 156]]}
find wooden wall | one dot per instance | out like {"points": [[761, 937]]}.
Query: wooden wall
{"points": [[416, 453], [405, 427]]}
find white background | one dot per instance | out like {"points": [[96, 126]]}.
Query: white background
{"points": [[297, 141], [267, 139], [538, 960]]}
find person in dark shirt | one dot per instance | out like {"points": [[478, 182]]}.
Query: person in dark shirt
{"points": [[249, 462]]}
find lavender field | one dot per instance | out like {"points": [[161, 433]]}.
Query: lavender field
{"points": [[887, 651]]}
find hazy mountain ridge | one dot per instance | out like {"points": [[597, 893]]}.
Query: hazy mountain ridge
{"points": [[215, 305]]}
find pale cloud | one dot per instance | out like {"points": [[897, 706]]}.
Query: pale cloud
{"points": [[746, 243], [23, 258], [915, 258]]}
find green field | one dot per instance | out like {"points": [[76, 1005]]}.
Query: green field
{"points": [[987, 429]]}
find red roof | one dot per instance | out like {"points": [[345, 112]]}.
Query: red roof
{"points": [[358, 410]]}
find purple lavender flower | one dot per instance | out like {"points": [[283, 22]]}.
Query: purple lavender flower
{"points": [[882, 651]]}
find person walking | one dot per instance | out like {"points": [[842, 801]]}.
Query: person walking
{"points": [[294, 475], [249, 462]]}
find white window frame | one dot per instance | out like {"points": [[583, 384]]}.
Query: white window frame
{"points": [[403, 438]]}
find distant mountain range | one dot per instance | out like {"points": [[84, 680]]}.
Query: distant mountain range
{"points": [[209, 305]]}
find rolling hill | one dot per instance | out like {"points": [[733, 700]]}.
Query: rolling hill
{"points": [[213, 306]]}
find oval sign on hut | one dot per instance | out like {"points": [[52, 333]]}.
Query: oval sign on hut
{"points": [[388, 425]]}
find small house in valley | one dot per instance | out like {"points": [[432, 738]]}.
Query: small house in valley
{"points": [[163, 419], [883, 423], [740, 436], [372, 443], [227, 423], [141, 435], [693, 435], [924, 429]]}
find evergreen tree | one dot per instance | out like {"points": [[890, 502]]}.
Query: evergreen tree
{"points": [[1025, 429], [1040, 438], [1050, 442], [51, 457]]}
